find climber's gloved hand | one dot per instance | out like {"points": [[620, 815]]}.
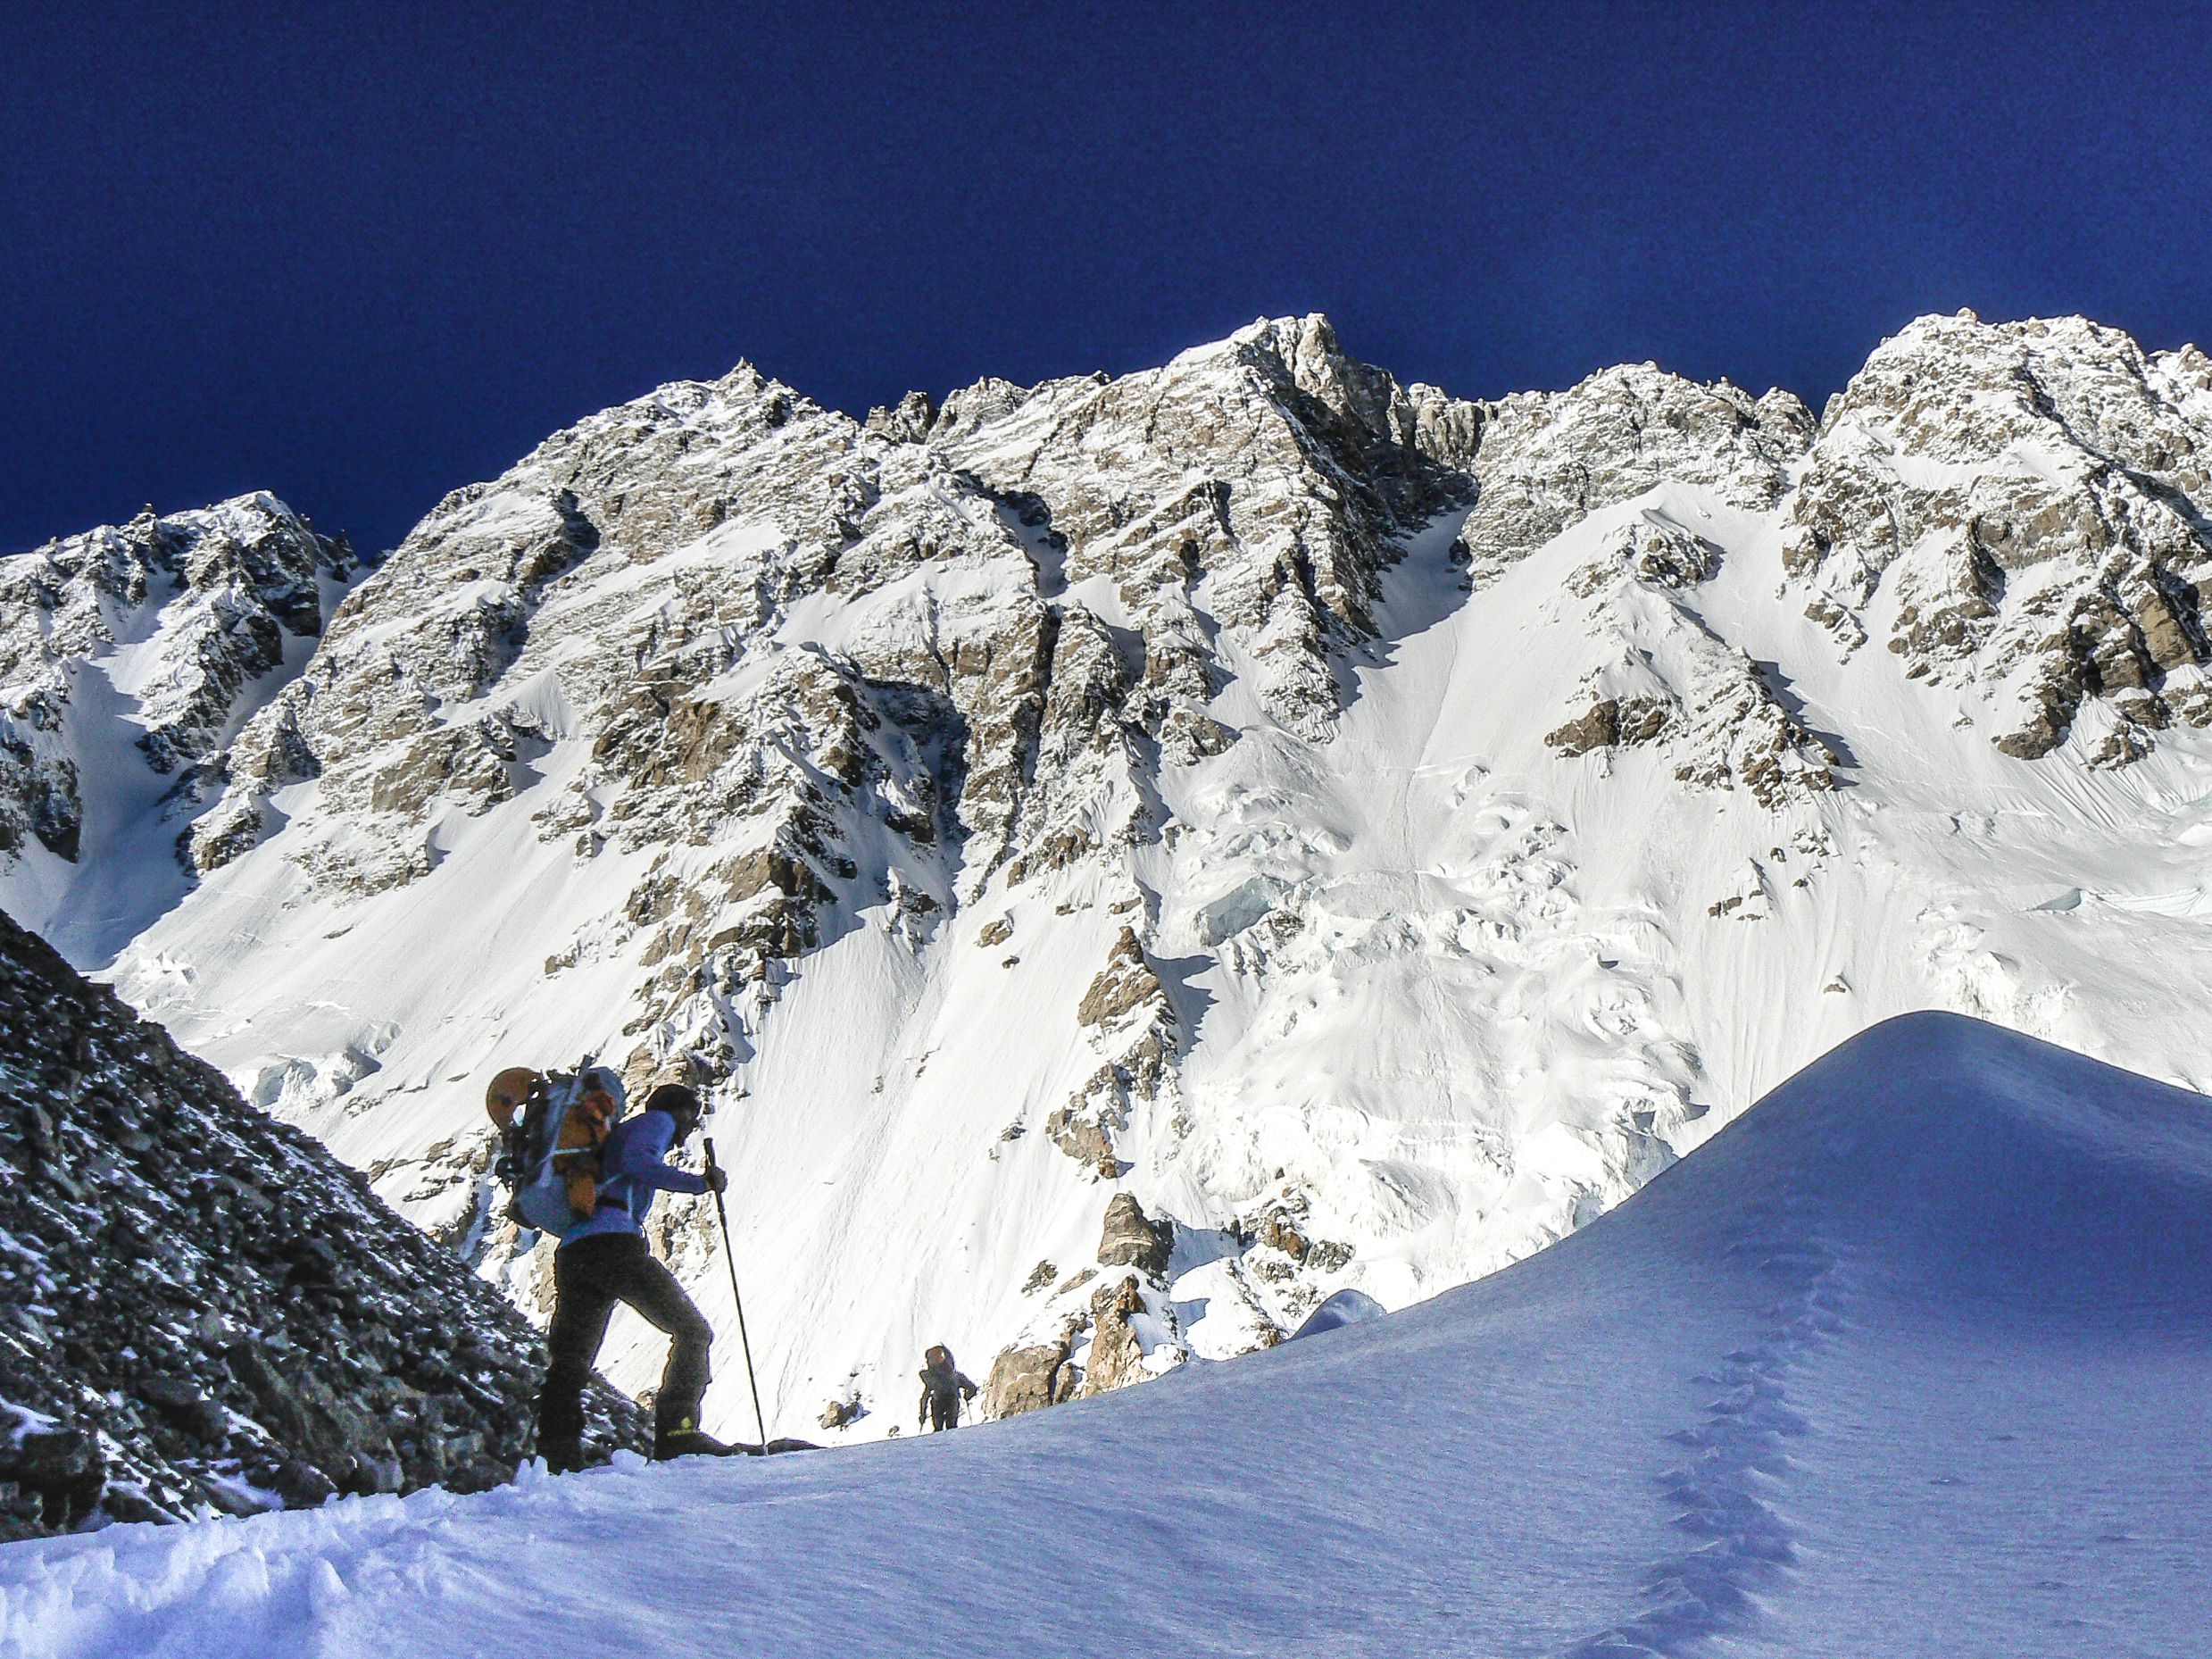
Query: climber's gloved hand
{"points": [[718, 1179]]}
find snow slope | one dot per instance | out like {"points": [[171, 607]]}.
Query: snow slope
{"points": [[1912, 1359]]}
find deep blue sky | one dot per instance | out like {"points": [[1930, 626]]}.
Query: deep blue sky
{"points": [[360, 256]]}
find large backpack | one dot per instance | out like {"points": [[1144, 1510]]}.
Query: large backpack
{"points": [[551, 1128]]}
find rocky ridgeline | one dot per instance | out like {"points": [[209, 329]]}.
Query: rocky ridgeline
{"points": [[1271, 469], [659, 559], [1546, 461], [201, 1310], [2024, 510], [204, 602], [815, 661]]}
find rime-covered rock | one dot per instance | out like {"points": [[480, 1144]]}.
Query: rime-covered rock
{"points": [[2017, 510], [202, 1311], [1546, 461]]}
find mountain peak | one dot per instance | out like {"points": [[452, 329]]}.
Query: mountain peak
{"points": [[162, 635]]}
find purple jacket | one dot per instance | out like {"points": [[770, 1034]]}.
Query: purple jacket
{"points": [[633, 1166]]}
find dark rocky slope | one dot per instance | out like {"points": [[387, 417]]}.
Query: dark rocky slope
{"points": [[201, 1309]]}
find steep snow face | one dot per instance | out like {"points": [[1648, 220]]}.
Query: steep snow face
{"points": [[129, 656], [1907, 1361], [1375, 832]]}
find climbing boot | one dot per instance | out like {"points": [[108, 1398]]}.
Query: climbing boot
{"points": [[562, 1458], [688, 1443], [676, 1434]]}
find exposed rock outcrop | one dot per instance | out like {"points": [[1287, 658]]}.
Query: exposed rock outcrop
{"points": [[1117, 1353], [1131, 1239], [1028, 1378]]}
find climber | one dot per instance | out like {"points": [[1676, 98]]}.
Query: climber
{"points": [[943, 1391], [603, 1260]]}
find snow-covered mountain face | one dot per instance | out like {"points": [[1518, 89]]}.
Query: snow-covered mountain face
{"points": [[129, 656], [1373, 831]]}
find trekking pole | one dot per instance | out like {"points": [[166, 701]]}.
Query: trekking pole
{"points": [[729, 1255]]}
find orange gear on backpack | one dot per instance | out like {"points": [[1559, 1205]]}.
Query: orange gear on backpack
{"points": [[506, 1094], [582, 1135]]}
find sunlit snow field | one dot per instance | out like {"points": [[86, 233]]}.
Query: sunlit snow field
{"points": [[1915, 1358]]}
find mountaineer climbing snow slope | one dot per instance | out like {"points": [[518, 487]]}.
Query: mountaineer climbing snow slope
{"points": [[1913, 1359], [202, 1311]]}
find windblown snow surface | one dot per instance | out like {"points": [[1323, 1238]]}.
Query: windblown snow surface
{"points": [[1911, 1359]]}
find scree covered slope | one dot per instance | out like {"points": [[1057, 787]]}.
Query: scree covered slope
{"points": [[1911, 1359], [201, 1310]]}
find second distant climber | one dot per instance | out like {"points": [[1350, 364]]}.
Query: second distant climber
{"points": [[943, 1391]]}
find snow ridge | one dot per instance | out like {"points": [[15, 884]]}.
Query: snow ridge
{"points": [[1962, 1280]]}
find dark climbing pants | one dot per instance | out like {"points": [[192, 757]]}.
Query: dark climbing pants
{"points": [[590, 1276], [945, 1411]]}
